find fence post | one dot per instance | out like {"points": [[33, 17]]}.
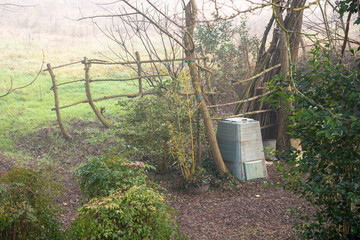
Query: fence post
{"points": [[89, 97], [56, 96], [139, 70]]}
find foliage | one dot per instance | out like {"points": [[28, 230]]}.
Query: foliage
{"points": [[215, 38], [225, 181], [232, 50], [199, 178], [350, 6], [28, 208], [147, 125], [222, 38], [326, 118], [138, 213], [104, 174], [180, 147]]}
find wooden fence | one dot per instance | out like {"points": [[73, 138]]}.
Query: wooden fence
{"points": [[141, 74]]}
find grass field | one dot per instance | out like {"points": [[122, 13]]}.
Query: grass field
{"points": [[29, 109]]}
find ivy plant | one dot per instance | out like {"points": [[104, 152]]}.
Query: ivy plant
{"points": [[325, 116]]}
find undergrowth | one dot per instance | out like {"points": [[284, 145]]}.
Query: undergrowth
{"points": [[104, 174], [28, 208]]}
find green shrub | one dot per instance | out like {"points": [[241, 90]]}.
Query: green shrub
{"points": [[147, 125], [104, 174], [28, 208], [138, 213], [326, 118]]}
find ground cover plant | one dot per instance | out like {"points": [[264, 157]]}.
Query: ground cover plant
{"points": [[104, 174], [123, 204], [139, 212], [326, 119], [28, 207]]}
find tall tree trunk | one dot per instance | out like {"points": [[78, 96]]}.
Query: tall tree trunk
{"points": [[293, 22], [289, 43], [283, 140], [191, 14]]}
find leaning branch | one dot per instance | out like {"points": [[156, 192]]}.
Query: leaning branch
{"points": [[106, 16], [257, 75], [11, 89], [242, 101]]}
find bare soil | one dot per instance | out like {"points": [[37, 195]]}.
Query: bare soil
{"points": [[252, 210]]}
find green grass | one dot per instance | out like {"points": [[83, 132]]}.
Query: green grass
{"points": [[29, 109]]}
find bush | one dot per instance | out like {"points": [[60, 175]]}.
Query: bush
{"points": [[102, 175], [138, 213], [28, 208], [233, 51], [147, 125], [326, 118]]}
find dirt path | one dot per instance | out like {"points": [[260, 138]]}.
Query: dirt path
{"points": [[253, 211]]}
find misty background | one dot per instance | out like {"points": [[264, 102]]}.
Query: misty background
{"points": [[52, 25]]}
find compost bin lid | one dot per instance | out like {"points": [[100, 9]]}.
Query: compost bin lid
{"points": [[239, 120]]}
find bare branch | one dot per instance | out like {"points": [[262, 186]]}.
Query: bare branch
{"points": [[155, 24], [106, 16], [346, 35], [11, 89]]}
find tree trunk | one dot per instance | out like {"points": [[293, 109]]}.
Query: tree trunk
{"points": [[191, 14], [289, 41], [283, 140]]}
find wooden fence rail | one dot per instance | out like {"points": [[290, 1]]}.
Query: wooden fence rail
{"points": [[141, 74]]}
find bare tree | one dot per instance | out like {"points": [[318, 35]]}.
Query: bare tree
{"points": [[175, 32], [283, 49]]}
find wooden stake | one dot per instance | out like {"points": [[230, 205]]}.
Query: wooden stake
{"points": [[58, 115], [89, 97], [139, 71]]}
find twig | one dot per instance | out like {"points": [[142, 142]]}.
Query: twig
{"points": [[11, 89], [106, 16], [155, 24]]}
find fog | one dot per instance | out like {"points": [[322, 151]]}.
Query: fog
{"points": [[53, 24], [60, 16]]}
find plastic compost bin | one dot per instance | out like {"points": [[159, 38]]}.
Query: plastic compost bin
{"points": [[241, 147]]}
